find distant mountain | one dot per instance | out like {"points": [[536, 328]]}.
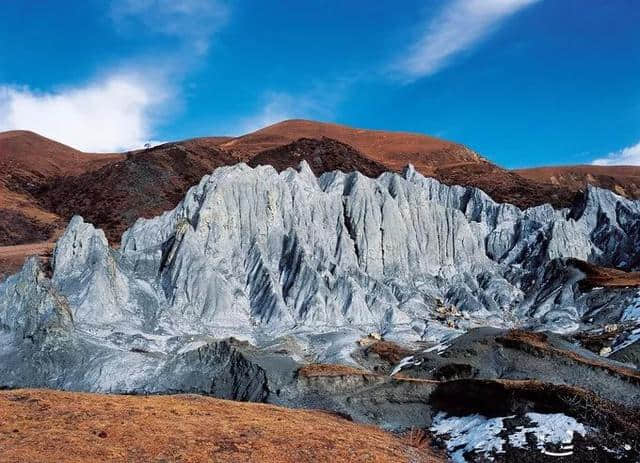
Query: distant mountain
{"points": [[393, 149]]}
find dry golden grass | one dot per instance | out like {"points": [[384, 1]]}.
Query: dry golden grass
{"points": [[54, 426], [326, 369], [418, 438]]}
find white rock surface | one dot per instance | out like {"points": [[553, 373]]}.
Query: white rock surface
{"points": [[254, 254]]}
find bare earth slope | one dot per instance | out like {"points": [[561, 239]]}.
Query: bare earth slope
{"points": [[12, 257], [322, 156], [142, 184], [624, 180], [43, 426], [29, 161]]}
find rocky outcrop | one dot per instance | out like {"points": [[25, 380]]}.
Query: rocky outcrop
{"points": [[303, 267]]}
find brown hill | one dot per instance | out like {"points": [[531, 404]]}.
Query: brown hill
{"points": [[12, 257], [393, 149], [141, 184], [327, 154], [624, 180], [27, 154], [449, 162], [28, 162], [40, 425], [505, 186], [322, 155]]}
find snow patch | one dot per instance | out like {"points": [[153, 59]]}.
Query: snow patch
{"points": [[481, 435], [633, 336], [438, 348], [554, 428], [405, 362], [472, 433], [632, 312]]}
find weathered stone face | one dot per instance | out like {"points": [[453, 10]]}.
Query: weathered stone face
{"points": [[255, 254]]}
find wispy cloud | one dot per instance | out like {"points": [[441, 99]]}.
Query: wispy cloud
{"points": [[280, 106], [111, 114], [629, 156], [194, 21], [277, 107], [320, 102], [457, 27]]}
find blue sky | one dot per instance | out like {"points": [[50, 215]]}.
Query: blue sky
{"points": [[523, 82]]}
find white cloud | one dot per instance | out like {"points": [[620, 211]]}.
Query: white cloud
{"points": [[112, 114], [194, 21], [457, 27], [119, 112], [629, 156]]}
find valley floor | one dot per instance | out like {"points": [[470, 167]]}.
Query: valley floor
{"points": [[46, 426]]}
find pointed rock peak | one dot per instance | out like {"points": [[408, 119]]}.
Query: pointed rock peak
{"points": [[305, 169], [79, 230], [305, 172], [80, 240], [409, 171], [601, 199], [32, 268]]}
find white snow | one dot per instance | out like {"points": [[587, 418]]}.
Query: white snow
{"points": [[631, 316], [554, 428], [192, 346], [632, 312], [476, 433], [633, 336], [437, 348], [403, 363], [472, 433]]}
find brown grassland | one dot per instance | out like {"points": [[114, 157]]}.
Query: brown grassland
{"points": [[55, 426]]}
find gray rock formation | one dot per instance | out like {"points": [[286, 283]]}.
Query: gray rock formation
{"points": [[260, 256]]}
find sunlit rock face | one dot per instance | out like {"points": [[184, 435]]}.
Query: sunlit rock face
{"points": [[257, 255]]}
